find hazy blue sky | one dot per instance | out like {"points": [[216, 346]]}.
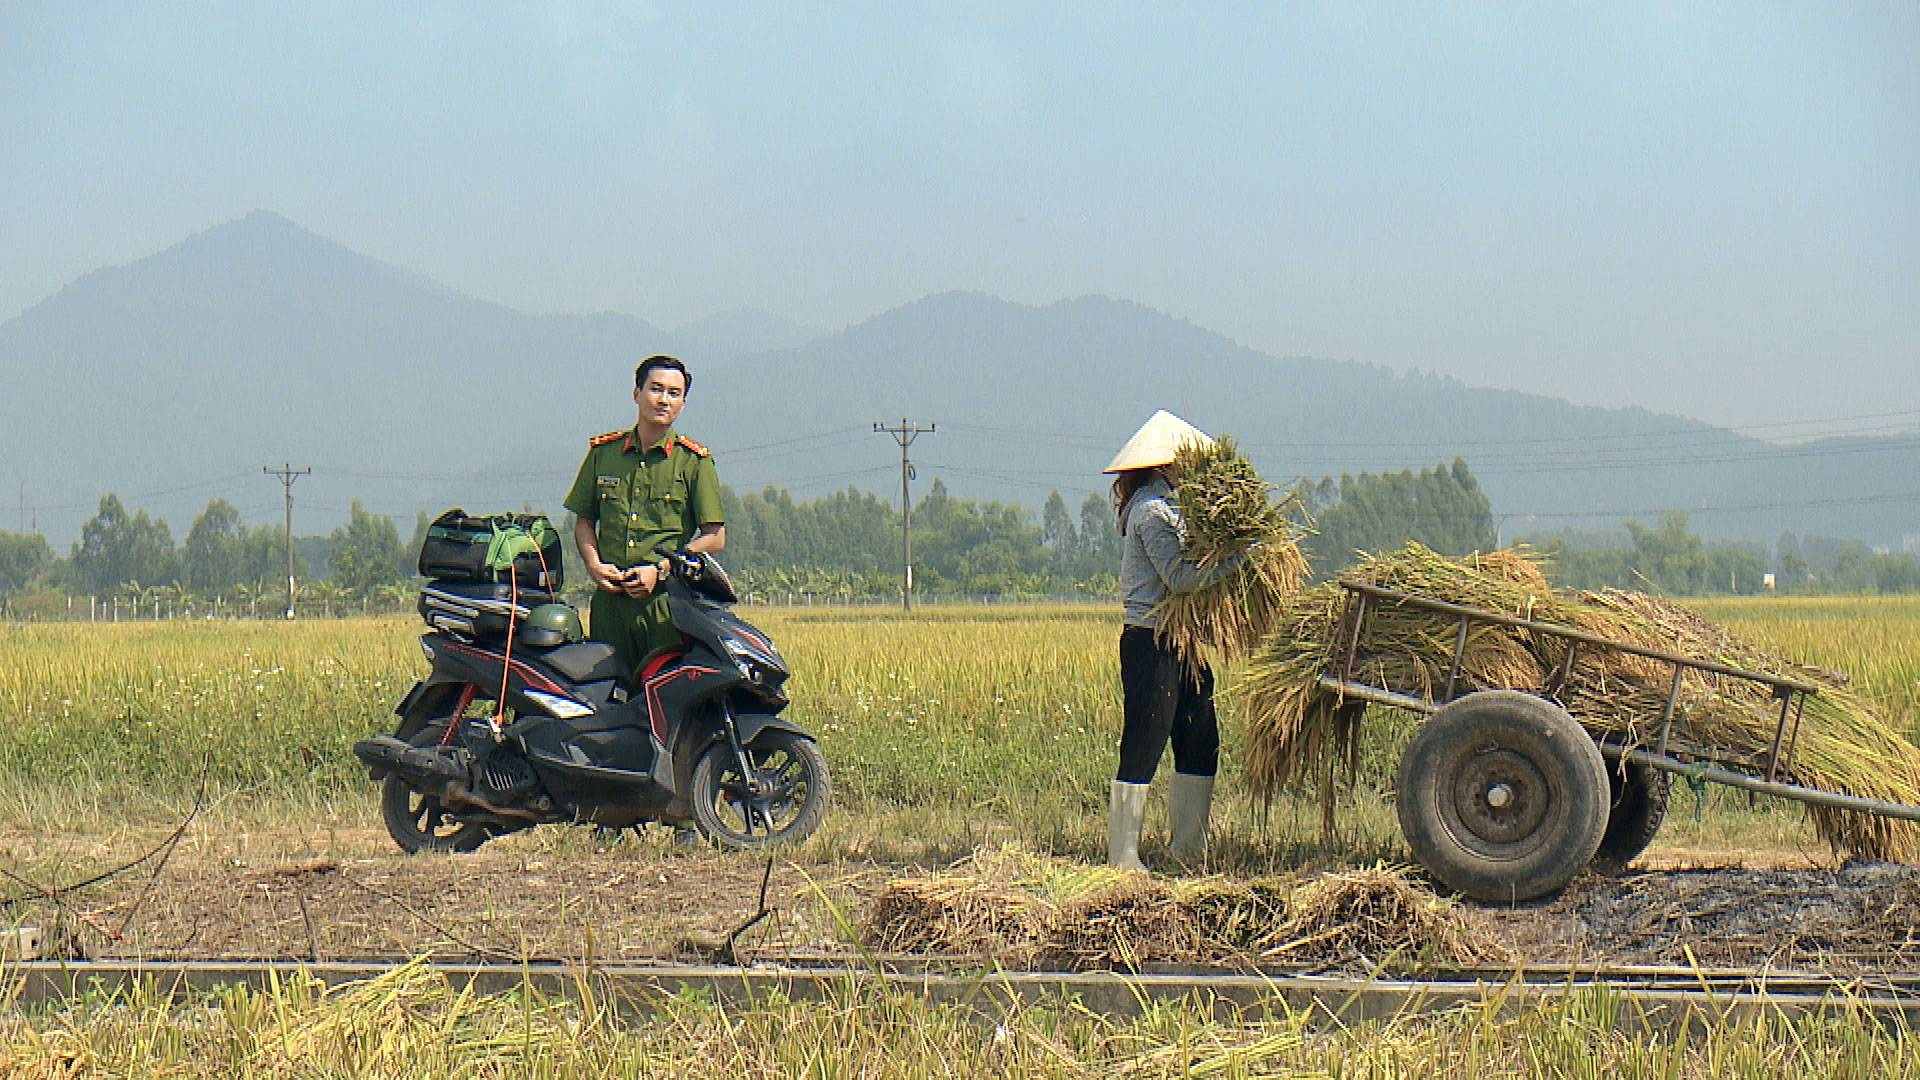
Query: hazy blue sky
{"points": [[1711, 209]]}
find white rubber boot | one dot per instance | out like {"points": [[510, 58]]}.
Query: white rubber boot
{"points": [[1189, 801], [1126, 809]]}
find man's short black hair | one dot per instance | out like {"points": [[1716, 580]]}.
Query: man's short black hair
{"points": [[662, 360]]}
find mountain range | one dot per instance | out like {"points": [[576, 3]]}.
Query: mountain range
{"points": [[178, 377]]}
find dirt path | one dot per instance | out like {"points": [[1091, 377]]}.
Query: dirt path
{"points": [[1785, 915], [631, 899], [263, 896]]}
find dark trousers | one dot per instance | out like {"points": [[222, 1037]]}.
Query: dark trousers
{"points": [[1163, 700]]}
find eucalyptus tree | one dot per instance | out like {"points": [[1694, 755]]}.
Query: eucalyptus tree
{"points": [[117, 547]]}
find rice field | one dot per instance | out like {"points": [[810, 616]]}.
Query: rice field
{"points": [[945, 729], [1875, 639]]}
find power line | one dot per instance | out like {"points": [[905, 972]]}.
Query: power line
{"points": [[1798, 504], [1524, 466], [152, 494], [809, 481], [1007, 478], [1052, 438], [1549, 461], [1891, 423], [733, 451], [1710, 434]]}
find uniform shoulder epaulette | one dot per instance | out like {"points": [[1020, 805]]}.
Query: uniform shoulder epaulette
{"points": [[694, 446], [602, 440]]}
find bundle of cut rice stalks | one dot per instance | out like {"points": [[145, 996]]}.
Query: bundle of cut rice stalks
{"points": [[1029, 911], [1231, 519], [1843, 744]]}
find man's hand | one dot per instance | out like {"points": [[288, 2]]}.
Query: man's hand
{"points": [[638, 581], [607, 576], [604, 574]]}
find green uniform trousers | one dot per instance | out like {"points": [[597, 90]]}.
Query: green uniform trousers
{"points": [[636, 627]]}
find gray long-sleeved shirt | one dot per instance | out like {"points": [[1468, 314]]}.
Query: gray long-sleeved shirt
{"points": [[1150, 562]]}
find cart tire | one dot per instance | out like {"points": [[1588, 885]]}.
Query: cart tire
{"points": [[1639, 806], [1502, 796]]}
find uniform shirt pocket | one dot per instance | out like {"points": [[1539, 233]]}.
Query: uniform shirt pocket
{"points": [[674, 494], [612, 496]]}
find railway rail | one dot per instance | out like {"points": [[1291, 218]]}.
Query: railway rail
{"points": [[1644, 999]]}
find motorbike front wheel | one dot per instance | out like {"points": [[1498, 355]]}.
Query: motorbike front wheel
{"points": [[792, 777], [419, 822]]}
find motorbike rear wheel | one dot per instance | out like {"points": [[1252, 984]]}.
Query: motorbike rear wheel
{"points": [[418, 821], [794, 790]]}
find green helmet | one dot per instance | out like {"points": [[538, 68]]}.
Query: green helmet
{"points": [[551, 624]]}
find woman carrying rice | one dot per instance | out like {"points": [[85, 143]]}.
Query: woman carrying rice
{"points": [[1165, 697]]}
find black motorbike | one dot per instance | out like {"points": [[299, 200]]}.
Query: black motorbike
{"points": [[517, 727]]}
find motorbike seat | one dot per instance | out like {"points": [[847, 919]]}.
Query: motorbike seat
{"points": [[585, 661], [657, 664]]}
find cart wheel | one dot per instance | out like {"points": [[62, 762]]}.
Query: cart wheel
{"points": [[1639, 806], [1502, 796]]}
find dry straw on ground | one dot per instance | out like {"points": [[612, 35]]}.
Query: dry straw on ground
{"points": [[1843, 743], [1024, 911], [1231, 519]]}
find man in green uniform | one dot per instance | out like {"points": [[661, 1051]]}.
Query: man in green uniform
{"points": [[640, 495]]}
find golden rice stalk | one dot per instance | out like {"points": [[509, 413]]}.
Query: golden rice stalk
{"points": [[1289, 718], [957, 914], [1231, 520], [1379, 913]]}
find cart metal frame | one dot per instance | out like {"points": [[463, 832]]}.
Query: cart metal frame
{"points": [[1693, 763]]}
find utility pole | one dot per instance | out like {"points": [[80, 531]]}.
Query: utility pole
{"points": [[904, 435], [288, 474]]}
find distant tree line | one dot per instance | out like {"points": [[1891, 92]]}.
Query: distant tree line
{"points": [[1442, 507], [131, 558], [850, 544], [847, 545], [1668, 558], [1665, 559]]}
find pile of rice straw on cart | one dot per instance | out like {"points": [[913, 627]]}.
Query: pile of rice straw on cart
{"points": [[1296, 727]]}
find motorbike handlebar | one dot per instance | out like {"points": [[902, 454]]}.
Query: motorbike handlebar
{"points": [[702, 571]]}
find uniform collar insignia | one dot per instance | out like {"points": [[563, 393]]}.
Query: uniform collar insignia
{"points": [[633, 444]]}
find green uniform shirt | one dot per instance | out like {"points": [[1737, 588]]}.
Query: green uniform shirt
{"points": [[644, 503]]}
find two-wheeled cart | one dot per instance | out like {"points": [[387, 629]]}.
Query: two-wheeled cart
{"points": [[1504, 796]]}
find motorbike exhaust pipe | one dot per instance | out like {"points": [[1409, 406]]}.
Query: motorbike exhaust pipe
{"points": [[432, 773], [459, 793], [424, 769]]}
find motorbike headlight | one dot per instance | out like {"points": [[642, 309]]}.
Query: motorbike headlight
{"points": [[756, 666], [743, 658]]}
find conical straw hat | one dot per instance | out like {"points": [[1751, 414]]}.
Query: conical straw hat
{"points": [[1156, 443]]}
